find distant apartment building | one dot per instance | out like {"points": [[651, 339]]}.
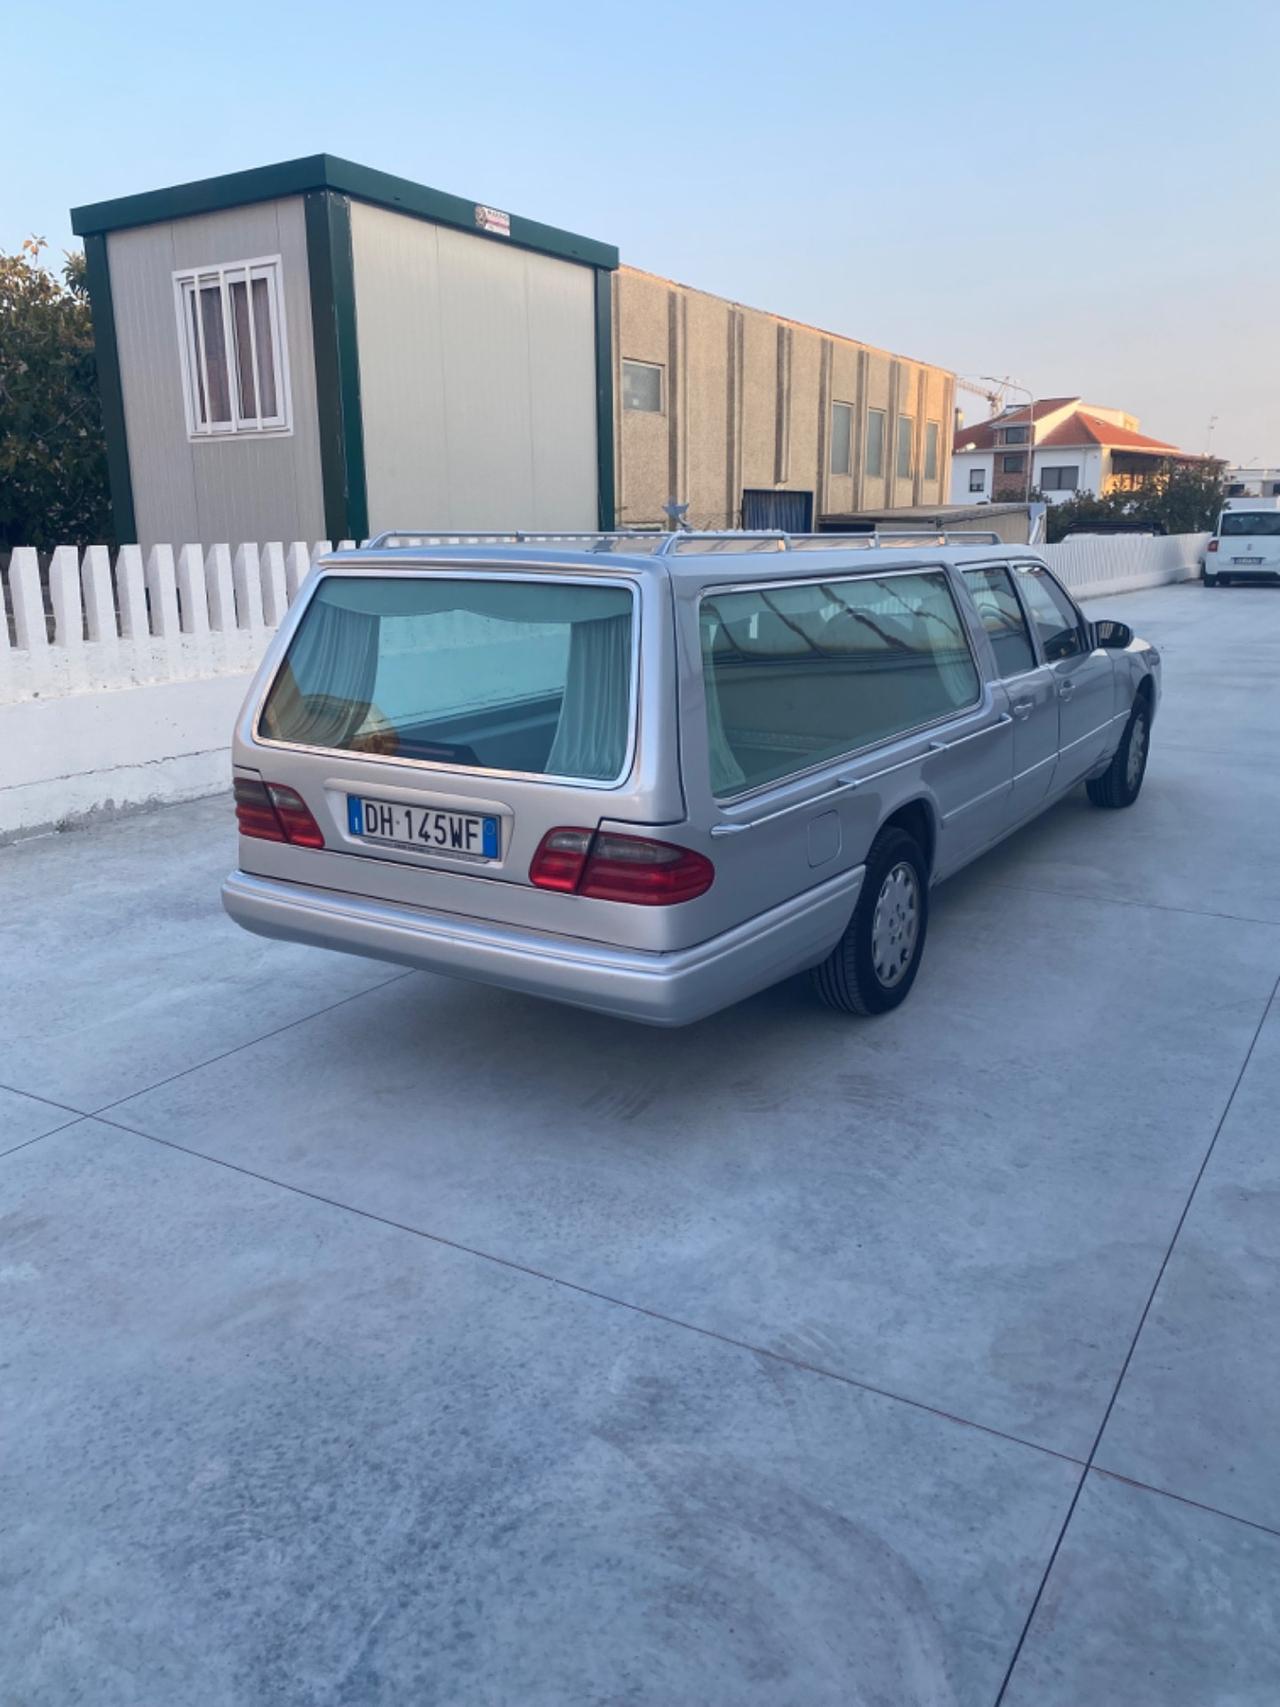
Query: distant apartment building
{"points": [[1073, 447], [1252, 482]]}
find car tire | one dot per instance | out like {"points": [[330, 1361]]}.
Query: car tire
{"points": [[873, 966], [1121, 782], [1210, 580]]}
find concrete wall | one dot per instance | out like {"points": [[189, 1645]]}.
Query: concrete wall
{"points": [[477, 379], [224, 486], [747, 404]]}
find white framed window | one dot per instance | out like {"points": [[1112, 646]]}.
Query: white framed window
{"points": [[233, 350], [977, 479], [1064, 479], [642, 387]]}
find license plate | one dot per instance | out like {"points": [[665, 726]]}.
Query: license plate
{"points": [[430, 829], [1252, 562]]}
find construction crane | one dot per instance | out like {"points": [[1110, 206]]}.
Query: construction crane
{"points": [[996, 392]]}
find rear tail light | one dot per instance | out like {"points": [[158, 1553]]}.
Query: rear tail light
{"points": [[605, 866], [273, 813], [1212, 545], [560, 860]]}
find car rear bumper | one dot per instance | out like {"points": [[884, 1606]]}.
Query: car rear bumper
{"points": [[657, 989]]}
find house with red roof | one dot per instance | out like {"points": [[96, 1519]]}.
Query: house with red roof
{"points": [[1072, 446]]}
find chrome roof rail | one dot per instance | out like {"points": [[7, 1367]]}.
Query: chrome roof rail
{"points": [[690, 541]]}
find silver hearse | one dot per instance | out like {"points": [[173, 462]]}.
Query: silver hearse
{"points": [[652, 774]]}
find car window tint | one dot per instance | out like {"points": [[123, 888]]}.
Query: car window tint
{"points": [[1055, 617], [796, 675], [992, 591]]}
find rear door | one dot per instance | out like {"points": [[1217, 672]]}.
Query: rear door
{"points": [[810, 702], [1030, 684], [439, 720], [1083, 675]]}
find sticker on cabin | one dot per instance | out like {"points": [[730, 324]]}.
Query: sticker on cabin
{"points": [[491, 219]]}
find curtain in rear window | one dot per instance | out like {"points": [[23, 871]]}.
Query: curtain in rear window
{"points": [[523, 676]]}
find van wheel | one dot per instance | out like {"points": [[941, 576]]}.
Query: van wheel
{"points": [[1120, 783], [873, 966], [1210, 580]]}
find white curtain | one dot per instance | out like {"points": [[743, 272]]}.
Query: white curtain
{"points": [[591, 735], [726, 773], [324, 692]]}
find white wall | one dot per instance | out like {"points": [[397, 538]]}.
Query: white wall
{"points": [[1089, 462], [477, 379], [260, 484], [961, 463], [1124, 563], [122, 691]]}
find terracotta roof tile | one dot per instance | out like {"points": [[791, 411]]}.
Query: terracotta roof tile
{"points": [[1080, 429]]}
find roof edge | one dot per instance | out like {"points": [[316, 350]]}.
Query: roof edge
{"points": [[347, 177]]}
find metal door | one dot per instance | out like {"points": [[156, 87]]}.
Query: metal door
{"points": [[1029, 684], [1083, 677], [788, 512]]}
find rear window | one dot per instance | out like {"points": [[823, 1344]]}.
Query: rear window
{"points": [[796, 675], [533, 677], [1258, 523]]}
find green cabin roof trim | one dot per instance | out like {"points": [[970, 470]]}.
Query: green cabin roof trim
{"points": [[329, 172]]}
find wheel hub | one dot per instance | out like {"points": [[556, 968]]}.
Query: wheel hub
{"points": [[895, 925]]}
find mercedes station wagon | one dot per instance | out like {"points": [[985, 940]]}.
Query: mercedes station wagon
{"points": [[652, 774]]}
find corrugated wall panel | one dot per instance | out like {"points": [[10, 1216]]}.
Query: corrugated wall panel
{"points": [[240, 488], [477, 379]]}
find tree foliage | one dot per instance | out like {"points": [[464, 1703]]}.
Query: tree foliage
{"points": [[53, 465], [1185, 498]]}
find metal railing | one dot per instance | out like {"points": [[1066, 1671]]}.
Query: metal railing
{"points": [[690, 542]]}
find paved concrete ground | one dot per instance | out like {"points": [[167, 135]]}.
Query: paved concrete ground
{"points": [[375, 1338]]}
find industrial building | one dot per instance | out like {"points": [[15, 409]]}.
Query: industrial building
{"points": [[753, 420], [318, 350]]}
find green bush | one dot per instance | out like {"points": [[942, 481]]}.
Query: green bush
{"points": [[1183, 499], [53, 465]]}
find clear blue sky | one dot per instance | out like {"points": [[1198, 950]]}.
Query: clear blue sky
{"points": [[1081, 196]]}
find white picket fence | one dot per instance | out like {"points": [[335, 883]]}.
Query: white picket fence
{"points": [[1124, 563], [172, 616], [195, 612]]}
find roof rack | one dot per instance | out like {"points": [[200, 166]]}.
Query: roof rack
{"points": [[689, 542]]}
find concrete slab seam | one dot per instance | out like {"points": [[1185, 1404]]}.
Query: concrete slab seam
{"points": [[1124, 1369], [591, 1292]]}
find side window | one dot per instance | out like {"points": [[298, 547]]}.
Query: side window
{"points": [[796, 675], [992, 591], [1056, 619]]}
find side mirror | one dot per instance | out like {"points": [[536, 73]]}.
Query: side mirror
{"points": [[1115, 635]]}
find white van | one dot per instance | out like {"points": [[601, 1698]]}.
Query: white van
{"points": [[1246, 542]]}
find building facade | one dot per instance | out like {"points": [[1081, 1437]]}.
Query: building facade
{"points": [[1072, 447], [318, 350], [751, 420], [1252, 482]]}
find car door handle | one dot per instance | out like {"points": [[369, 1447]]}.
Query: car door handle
{"points": [[1023, 707], [1066, 689]]}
